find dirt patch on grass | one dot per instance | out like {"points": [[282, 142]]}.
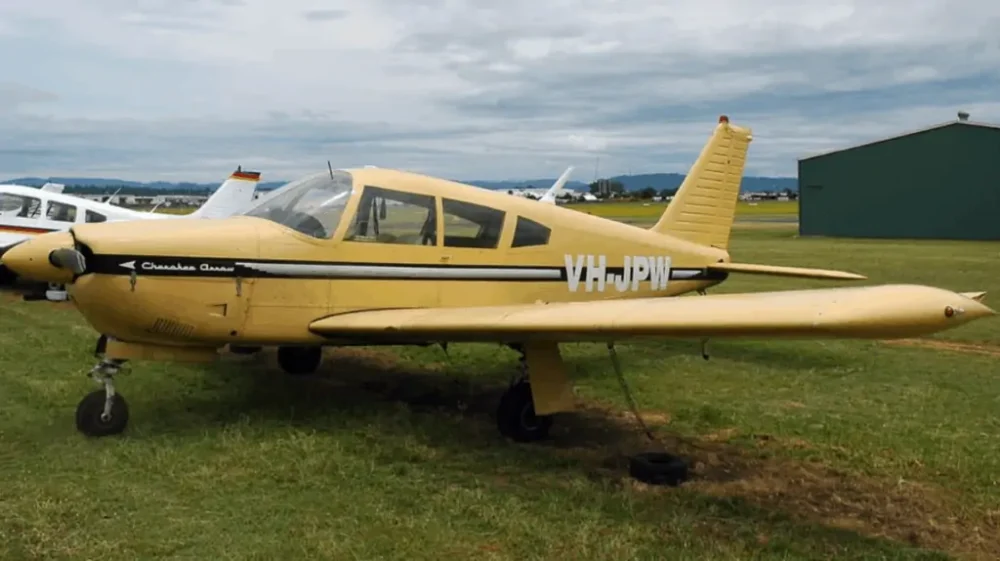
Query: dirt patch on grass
{"points": [[937, 344], [724, 464]]}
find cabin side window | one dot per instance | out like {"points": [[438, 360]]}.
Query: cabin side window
{"points": [[92, 216], [530, 233], [20, 206], [60, 212], [394, 217], [471, 225]]}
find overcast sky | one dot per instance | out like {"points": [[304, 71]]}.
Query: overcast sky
{"points": [[475, 89]]}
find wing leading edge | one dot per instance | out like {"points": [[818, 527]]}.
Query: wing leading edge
{"points": [[873, 312]]}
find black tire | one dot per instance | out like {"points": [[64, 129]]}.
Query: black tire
{"points": [[7, 277], [90, 409], [299, 361], [516, 418], [658, 468], [243, 349]]}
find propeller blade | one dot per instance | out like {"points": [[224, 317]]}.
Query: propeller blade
{"points": [[69, 259]]}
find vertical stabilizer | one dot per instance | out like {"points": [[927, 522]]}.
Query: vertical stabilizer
{"points": [[550, 195], [232, 197], [704, 207]]}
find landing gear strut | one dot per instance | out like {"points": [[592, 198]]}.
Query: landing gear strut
{"points": [[103, 412], [516, 418]]}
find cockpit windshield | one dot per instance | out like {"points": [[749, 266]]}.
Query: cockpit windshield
{"points": [[312, 205]]}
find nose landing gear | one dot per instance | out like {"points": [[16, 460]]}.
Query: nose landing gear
{"points": [[103, 412]]}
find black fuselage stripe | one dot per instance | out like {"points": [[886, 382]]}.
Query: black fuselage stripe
{"points": [[165, 266]]}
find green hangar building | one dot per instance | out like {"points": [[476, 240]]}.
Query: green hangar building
{"points": [[941, 182]]}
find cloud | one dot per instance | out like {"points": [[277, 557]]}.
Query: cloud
{"points": [[13, 96], [187, 89], [324, 15]]}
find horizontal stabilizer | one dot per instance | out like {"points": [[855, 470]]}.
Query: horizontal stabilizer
{"points": [[868, 312], [776, 271]]}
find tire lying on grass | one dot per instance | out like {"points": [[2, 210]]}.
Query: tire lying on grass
{"points": [[658, 468]]}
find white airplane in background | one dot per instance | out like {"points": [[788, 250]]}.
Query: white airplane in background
{"points": [[550, 195], [26, 212]]}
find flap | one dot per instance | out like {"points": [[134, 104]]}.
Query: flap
{"points": [[774, 270]]}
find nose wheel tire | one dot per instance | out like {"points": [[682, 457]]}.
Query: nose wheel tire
{"points": [[516, 418], [90, 417], [299, 361]]}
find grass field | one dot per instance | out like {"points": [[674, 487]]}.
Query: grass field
{"points": [[801, 450]]}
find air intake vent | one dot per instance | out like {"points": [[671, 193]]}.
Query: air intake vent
{"points": [[163, 326]]}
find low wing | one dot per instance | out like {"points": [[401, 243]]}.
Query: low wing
{"points": [[883, 312], [774, 270]]}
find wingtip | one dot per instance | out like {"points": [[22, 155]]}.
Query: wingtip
{"points": [[978, 298]]}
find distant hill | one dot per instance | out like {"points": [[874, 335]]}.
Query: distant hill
{"points": [[658, 181]]}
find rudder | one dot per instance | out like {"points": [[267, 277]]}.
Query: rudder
{"points": [[704, 207], [233, 196]]}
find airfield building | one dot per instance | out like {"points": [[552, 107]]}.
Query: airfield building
{"points": [[939, 183]]}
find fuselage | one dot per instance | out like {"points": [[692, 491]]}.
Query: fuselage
{"points": [[26, 212], [356, 240]]}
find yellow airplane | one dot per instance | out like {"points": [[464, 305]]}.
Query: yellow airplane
{"points": [[381, 257]]}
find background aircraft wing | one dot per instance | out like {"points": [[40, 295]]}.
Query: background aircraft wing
{"points": [[883, 312], [53, 187]]}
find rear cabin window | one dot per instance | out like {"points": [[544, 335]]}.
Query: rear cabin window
{"points": [[471, 225], [61, 212], [528, 233], [92, 216]]}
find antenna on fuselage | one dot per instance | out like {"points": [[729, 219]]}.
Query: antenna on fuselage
{"points": [[330, 167]]}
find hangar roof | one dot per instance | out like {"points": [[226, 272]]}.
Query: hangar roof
{"points": [[895, 136]]}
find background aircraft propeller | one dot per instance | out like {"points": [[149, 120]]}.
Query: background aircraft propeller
{"points": [[69, 259]]}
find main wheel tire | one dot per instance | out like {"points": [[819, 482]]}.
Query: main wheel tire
{"points": [[658, 468], [243, 349], [299, 360], [90, 410], [516, 418]]}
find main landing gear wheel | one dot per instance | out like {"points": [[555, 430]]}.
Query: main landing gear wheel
{"points": [[95, 416], [243, 349], [516, 416], [299, 360]]}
